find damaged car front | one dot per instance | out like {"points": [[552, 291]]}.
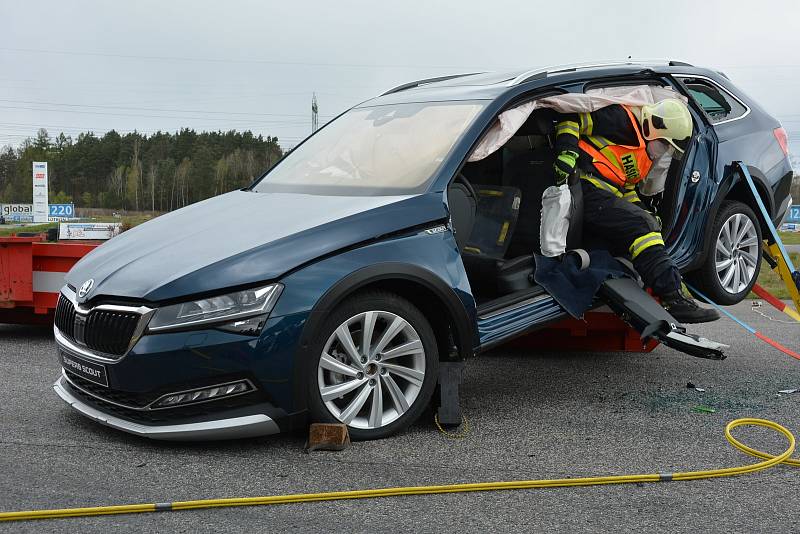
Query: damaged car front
{"points": [[188, 326]]}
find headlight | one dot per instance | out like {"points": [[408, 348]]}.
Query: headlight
{"points": [[242, 311]]}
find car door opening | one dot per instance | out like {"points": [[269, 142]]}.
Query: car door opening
{"points": [[515, 161], [517, 153]]}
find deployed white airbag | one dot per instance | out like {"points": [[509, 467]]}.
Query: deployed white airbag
{"points": [[556, 205], [655, 181], [509, 121]]}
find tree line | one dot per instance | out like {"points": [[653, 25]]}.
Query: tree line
{"points": [[134, 171]]}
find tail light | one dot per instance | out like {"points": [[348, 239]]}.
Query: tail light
{"points": [[783, 139]]}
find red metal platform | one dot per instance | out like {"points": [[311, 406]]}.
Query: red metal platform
{"points": [[601, 331], [31, 275]]}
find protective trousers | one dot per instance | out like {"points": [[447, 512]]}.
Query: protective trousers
{"points": [[625, 229]]}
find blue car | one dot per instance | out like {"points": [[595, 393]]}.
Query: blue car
{"points": [[334, 287]]}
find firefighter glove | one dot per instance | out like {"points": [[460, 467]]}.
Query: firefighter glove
{"points": [[564, 166]]}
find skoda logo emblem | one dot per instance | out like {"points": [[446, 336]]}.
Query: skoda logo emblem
{"points": [[85, 288]]}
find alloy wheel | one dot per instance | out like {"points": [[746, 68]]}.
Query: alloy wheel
{"points": [[737, 253], [371, 369]]}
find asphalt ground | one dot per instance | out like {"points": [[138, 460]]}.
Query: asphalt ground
{"points": [[545, 415]]}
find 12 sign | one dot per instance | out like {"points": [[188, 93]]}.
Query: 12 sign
{"points": [[794, 214]]}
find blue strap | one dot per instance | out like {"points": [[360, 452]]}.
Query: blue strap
{"points": [[721, 309], [765, 213]]}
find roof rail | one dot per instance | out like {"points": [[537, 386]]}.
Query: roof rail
{"points": [[417, 83], [542, 72]]}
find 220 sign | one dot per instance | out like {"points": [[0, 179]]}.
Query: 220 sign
{"points": [[62, 210]]}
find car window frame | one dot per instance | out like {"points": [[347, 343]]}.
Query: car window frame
{"points": [[624, 81], [679, 78]]}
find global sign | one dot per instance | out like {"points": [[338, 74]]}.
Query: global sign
{"points": [[24, 212]]}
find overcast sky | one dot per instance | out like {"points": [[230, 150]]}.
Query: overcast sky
{"points": [[146, 65]]}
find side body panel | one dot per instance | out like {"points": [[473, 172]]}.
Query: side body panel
{"points": [[751, 139], [276, 361], [428, 259]]}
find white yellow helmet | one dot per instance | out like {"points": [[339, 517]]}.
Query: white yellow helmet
{"points": [[669, 120]]}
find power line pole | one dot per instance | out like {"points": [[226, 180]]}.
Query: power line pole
{"points": [[314, 113]]}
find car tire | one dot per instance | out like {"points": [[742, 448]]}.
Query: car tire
{"points": [[731, 268], [382, 390]]}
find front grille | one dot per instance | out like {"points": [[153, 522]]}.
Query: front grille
{"points": [[110, 331], [104, 331], [65, 317]]}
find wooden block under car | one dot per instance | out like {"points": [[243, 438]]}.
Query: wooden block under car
{"points": [[327, 437]]}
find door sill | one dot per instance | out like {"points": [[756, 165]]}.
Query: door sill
{"points": [[509, 302]]}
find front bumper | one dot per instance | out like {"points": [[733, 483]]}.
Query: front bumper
{"points": [[183, 361], [224, 428]]}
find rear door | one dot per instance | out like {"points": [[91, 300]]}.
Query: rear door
{"points": [[688, 199]]}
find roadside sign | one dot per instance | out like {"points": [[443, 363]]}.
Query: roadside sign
{"points": [[88, 230], [17, 212], [40, 212], [20, 213], [62, 212], [794, 214]]}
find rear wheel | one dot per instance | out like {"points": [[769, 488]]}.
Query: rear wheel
{"points": [[375, 367], [731, 269]]}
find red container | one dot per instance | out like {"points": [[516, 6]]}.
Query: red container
{"points": [[601, 331], [31, 275]]}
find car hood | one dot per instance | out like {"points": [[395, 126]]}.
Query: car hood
{"points": [[241, 238]]}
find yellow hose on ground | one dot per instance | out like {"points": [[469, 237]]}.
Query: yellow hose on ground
{"points": [[769, 460]]}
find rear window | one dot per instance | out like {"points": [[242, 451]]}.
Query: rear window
{"points": [[718, 104]]}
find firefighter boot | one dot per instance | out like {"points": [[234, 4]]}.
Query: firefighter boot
{"points": [[686, 310]]}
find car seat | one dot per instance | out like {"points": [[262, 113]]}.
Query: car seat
{"points": [[531, 173], [463, 206], [496, 219]]}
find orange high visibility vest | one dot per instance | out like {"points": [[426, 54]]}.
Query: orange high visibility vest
{"points": [[619, 164]]}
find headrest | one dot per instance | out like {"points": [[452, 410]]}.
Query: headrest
{"points": [[539, 123]]}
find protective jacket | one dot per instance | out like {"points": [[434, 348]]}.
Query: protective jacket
{"points": [[616, 160]]}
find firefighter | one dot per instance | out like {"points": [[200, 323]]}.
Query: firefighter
{"points": [[608, 150]]}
